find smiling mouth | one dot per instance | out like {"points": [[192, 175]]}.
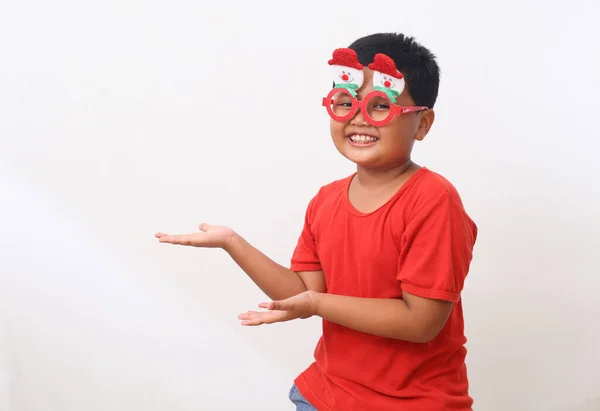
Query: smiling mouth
{"points": [[360, 139]]}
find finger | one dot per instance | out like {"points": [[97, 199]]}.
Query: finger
{"points": [[159, 235], [203, 227], [247, 315], [252, 323], [165, 238], [283, 305], [254, 318], [181, 239], [251, 318]]}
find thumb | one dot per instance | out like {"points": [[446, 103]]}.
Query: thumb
{"points": [[203, 227], [282, 305]]}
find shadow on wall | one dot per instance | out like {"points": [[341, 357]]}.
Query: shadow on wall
{"points": [[79, 332]]}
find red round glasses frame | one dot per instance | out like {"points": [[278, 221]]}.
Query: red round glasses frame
{"points": [[362, 105]]}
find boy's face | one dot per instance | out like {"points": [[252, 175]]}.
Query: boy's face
{"points": [[392, 143]]}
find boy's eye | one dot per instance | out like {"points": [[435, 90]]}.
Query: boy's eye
{"points": [[380, 104], [343, 102]]}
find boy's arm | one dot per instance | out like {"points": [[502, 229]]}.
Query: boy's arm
{"points": [[411, 318], [275, 280]]}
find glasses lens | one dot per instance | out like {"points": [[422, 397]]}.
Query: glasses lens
{"points": [[341, 104], [379, 108]]}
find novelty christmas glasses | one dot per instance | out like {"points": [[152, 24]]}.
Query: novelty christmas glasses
{"points": [[376, 108], [379, 106]]}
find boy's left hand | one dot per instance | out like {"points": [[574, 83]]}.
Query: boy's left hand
{"points": [[301, 306]]}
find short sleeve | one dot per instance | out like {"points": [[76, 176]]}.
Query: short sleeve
{"points": [[437, 249], [305, 256]]}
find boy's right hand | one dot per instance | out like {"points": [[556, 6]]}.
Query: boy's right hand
{"points": [[210, 236]]}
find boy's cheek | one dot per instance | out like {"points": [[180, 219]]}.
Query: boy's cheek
{"points": [[335, 127], [337, 131]]}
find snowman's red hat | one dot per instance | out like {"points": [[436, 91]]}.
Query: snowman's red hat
{"points": [[385, 65], [345, 57]]}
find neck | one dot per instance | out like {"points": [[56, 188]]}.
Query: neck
{"points": [[376, 178]]}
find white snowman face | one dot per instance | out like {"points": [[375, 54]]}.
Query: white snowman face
{"points": [[387, 81], [347, 75]]}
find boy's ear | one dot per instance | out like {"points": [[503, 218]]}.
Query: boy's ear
{"points": [[426, 119]]}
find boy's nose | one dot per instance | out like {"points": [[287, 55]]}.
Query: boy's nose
{"points": [[358, 119]]}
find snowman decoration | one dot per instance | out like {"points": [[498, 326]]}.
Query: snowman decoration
{"points": [[386, 77], [347, 71]]}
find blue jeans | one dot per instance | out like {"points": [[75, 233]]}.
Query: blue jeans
{"points": [[299, 401]]}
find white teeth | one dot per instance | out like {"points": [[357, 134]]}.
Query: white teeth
{"points": [[362, 139]]}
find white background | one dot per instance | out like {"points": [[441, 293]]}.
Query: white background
{"points": [[122, 118]]}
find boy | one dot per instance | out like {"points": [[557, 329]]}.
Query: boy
{"points": [[383, 254]]}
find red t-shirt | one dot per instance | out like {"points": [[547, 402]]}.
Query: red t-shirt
{"points": [[420, 241]]}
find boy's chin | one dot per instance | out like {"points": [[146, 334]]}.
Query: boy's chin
{"points": [[361, 158]]}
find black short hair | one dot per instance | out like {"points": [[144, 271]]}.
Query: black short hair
{"points": [[417, 63]]}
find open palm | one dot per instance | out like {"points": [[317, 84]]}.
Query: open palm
{"points": [[301, 306], [210, 236]]}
